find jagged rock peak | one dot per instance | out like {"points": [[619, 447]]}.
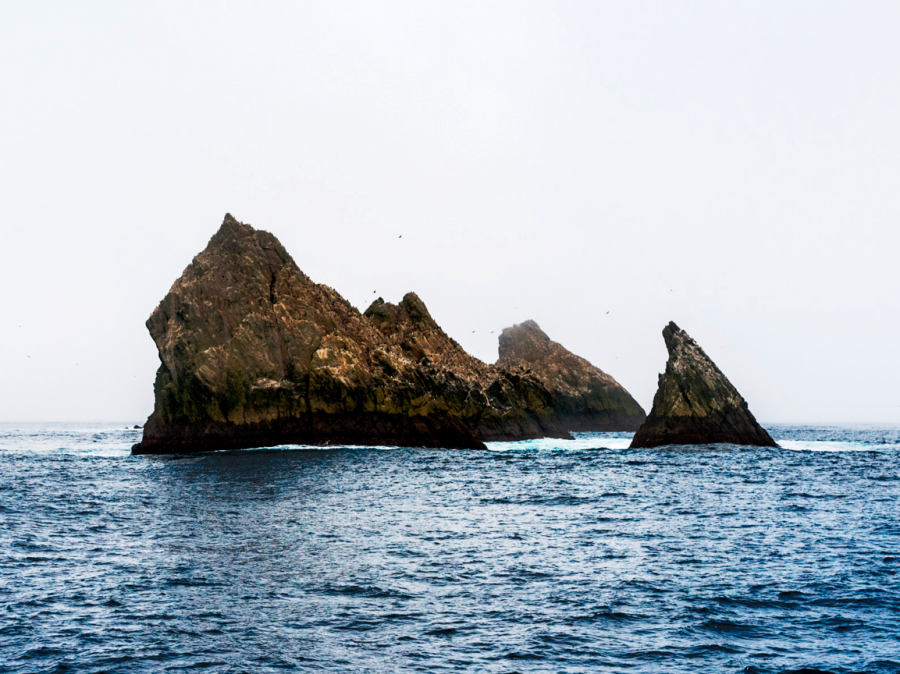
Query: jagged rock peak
{"points": [[411, 309], [235, 237], [695, 403], [410, 327], [585, 397], [532, 327]]}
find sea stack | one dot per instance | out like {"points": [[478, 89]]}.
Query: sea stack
{"points": [[584, 397], [695, 403], [254, 353]]}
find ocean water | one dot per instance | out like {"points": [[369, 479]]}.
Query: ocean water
{"points": [[544, 556]]}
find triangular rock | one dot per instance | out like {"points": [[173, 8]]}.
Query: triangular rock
{"points": [[695, 403], [585, 398]]}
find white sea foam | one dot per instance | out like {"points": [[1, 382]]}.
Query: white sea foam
{"points": [[116, 439]]}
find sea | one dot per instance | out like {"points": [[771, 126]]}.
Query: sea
{"points": [[539, 556]]}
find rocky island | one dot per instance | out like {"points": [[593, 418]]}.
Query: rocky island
{"points": [[254, 353], [695, 403], [584, 397]]}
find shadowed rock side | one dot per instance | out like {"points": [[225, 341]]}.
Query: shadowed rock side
{"points": [[583, 396], [695, 403], [254, 353], [502, 405]]}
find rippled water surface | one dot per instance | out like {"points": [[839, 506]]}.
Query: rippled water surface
{"points": [[543, 556]]}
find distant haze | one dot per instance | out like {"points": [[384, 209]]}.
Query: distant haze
{"points": [[601, 168]]}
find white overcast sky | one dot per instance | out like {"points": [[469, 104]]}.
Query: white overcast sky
{"points": [[599, 167]]}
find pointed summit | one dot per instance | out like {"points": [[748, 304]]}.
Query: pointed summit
{"points": [[388, 317], [695, 403], [238, 238], [585, 397]]}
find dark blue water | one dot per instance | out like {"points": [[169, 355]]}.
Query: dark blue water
{"points": [[533, 557]]}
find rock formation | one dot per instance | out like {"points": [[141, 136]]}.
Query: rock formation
{"points": [[584, 397], [504, 405], [695, 403], [254, 353]]}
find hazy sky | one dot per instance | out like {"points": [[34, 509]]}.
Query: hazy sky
{"points": [[734, 167]]}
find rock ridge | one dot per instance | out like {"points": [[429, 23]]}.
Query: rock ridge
{"points": [[508, 405]]}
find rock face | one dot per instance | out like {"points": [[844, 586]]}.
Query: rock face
{"points": [[502, 405], [584, 397], [254, 353], [695, 403]]}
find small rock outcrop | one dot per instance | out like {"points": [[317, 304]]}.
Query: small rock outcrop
{"points": [[584, 397], [695, 403], [254, 353]]}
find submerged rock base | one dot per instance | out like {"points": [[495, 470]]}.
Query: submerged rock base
{"points": [[314, 429]]}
